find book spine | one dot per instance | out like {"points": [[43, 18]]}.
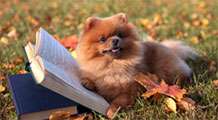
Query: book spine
{"points": [[14, 97], [27, 66]]}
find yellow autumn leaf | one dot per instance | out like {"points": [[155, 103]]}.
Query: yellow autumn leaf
{"points": [[4, 41], [2, 88], [73, 53], [157, 19], [165, 21], [67, 23], [205, 21], [54, 5], [144, 21], [195, 40], [171, 104], [202, 4], [80, 26], [187, 25]]}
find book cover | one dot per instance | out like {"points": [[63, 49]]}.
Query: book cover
{"points": [[29, 97]]}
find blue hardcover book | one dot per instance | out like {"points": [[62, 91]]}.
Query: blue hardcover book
{"points": [[33, 101]]}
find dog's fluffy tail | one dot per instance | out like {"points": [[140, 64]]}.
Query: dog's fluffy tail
{"points": [[183, 51]]}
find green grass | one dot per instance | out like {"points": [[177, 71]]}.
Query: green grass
{"points": [[64, 18]]}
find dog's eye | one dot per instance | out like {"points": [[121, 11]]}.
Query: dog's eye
{"points": [[120, 35], [103, 39]]}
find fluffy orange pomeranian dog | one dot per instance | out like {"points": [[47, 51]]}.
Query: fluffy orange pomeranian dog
{"points": [[110, 52]]}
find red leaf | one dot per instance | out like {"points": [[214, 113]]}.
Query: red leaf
{"points": [[150, 82], [70, 41]]}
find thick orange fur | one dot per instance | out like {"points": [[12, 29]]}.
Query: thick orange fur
{"points": [[110, 74]]}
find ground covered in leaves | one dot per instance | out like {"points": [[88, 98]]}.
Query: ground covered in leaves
{"points": [[192, 21]]}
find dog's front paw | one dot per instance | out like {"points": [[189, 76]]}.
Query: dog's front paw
{"points": [[88, 84], [111, 111]]}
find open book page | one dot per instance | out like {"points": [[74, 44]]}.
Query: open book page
{"points": [[51, 50], [66, 85], [37, 70], [30, 51]]}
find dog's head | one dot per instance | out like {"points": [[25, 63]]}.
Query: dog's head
{"points": [[114, 37]]}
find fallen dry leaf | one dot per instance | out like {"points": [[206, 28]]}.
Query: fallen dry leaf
{"points": [[196, 23], [202, 4], [194, 16], [187, 25], [3, 79], [144, 21], [34, 22], [213, 62], [6, 66], [186, 104], [4, 41], [81, 117], [67, 23], [150, 82], [179, 35], [80, 26], [171, 104], [21, 72], [18, 60], [2, 88], [195, 40], [204, 53], [212, 66], [214, 32], [216, 83], [4, 28], [30, 39], [205, 21], [59, 115], [13, 33], [10, 108], [70, 41], [203, 35]]}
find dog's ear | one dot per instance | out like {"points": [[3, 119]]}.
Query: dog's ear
{"points": [[90, 22], [122, 17]]}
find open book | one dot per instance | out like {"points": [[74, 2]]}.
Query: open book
{"points": [[56, 69]]}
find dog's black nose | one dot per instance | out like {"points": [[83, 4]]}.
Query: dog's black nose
{"points": [[115, 41]]}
